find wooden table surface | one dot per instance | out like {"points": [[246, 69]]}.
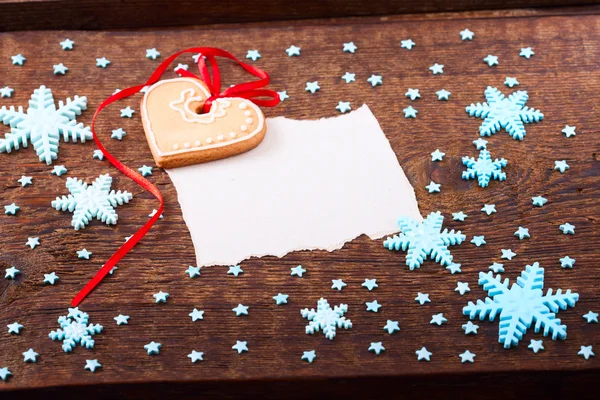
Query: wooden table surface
{"points": [[563, 81]]}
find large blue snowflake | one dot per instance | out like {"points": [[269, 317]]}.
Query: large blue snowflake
{"points": [[508, 113], [424, 239], [326, 318], [43, 124], [484, 168], [521, 305], [75, 330]]}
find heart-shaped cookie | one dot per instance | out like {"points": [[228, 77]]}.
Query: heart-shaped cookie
{"points": [[178, 134]]}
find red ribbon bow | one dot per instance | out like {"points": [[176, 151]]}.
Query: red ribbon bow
{"points": [[247, 90]]}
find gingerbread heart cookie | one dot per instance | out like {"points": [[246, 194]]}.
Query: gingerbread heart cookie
{"points": [[179, 134]]}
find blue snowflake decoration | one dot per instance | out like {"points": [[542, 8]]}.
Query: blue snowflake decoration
{"points": [[326, 318], [521, 305], [43, 124], [508, 113], [424, 239], [75, 330], [484, 168]]}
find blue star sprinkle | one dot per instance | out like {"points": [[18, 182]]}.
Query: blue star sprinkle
{"points": [[25, 180], [376, 347], [11, 273], [561, 166], [462, 288], [338, 284], [533, 305], [348, 77], [507, 254], [433, 187], [454, 268], [152, 348], [511, 82], [466, 34], [480, 143], [535, 345], [240, 310], [437, 155], [349, 47], [467, 356], [152, 53], [98, 155], [298, 271], [14, 328], [193, 271], [51, 278], [491, 60], [11, 209], [122, 319], [484, 168], [375, 80], [391, 326], [423, 354], [67, 44], [373, 306], [470, 328], [539, 201], [489, 209], [18, 59], [343, 106], [413, 94], [235, 270], [161, 297], [312, 86], [92, 365], [84, 254], [410, 112], [438, 319], [407, 44], [196, 315], [424, 239], [569, 131], [5, 373], [443, 94], [308, 356], [567, 262], [102, 62], [522, 233], [370, 284], [196, 356], [127, 112], [293, 51], [60, 69], [437, 69], [118, 134], [145, 170], [6, 91], [283, 95], [59, 170], [591, 317], [253, 55], [526, 52], [586, 352], [567, 228], [280, 299], [422, 298], [500, 112], [326, 318], [497, 267], [478, 240], [33, 242], [240, 346], [459, 216], [30, 356]]}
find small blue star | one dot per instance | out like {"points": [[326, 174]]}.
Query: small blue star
{"points": [[454, 268], [586, 352], [59, 170], [511, 82], [423, 354], [433, 187], [33, 242], [11, 209], [92, 365], [25, 180], [462, 288], [349, 77], [308, 356], [373, 306], [437, 68], [152, 53], [18, 59], [438, 319], [51, 278], [526, 52], [407, 44], [478, 240], [467, 356], [480, 143], [30, 356], [443, 94], [152, 348], [507, 254], [522, 233], [343, 106], [567, 228], [591, 317], [539, 201], [153, 213], [84, 254], [489, 209], [370, 284], [127, 112], [437, 155], [122, 319], [67, 44], [491, 60], [375, 80], [410, 112], [567, 262], [283, 95], [391, 326], [60, 69], [280, 298], [161, 297], [497, 267], [14, 328], [569, 131], [312, 86], [5, 373], [235, 270], [11, 273], [253, 55], [193, 271], [145, 170], [298, 271], [466, 34], [196, 356], [240, 310], [293, 51], [338, 284], [562, 166], [535, 345], [413, 94], [118, 133], [376, 347], [98, 155], [240, 346], [6, 91], [422, 298], [102, 62], [470, 327], [349, 47], [196, 314], [459, 216]]}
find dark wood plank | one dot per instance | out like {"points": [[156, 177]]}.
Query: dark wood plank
{"points": [[563, 80]]}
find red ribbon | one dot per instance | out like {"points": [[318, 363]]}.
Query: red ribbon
{"points": [[248, 90]]}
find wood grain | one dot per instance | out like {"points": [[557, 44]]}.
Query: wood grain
{"points": [[563, 79]]}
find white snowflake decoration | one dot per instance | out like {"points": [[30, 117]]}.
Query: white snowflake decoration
{"points": [[43, 124], [424, 239], [484, 168], [326, 318], [89, 201], [521, 305], [508, 113], [75, 330]]}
